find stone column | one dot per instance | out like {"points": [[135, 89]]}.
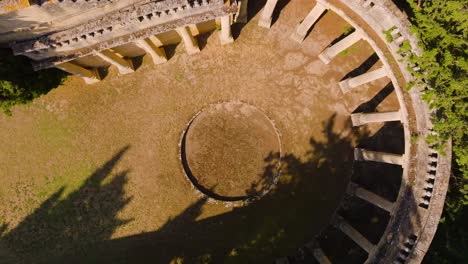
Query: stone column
{"points": [[348, 84], [124, 66], [371, 197], [193, 29], [320, 256], [329, 53], [368, 155], [360, 119], [226, 35], [156, 42], [355, 235], [267, 14], [157, 54], [301, 30], [242, 13], [191, 45], [317, 252], [89, 76]]}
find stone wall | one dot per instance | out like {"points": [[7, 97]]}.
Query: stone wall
{"points": [[77, 35], [52, 16], [412, 229]]}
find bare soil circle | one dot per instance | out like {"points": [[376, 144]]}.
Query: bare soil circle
{"points": [[231, 151]]}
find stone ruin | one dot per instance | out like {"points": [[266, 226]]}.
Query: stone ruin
{"points": [[81, 36]]}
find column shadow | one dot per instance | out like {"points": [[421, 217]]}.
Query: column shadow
{"points": [[371, 105], [363, 68], [253, 8]]}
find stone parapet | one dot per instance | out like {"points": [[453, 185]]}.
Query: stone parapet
{"points": [[119, 23], [420, 201], [109, 36], [52, 16]]}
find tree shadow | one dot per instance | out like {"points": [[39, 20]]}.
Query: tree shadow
{"points": [[20, 84], [63, 227], [302, 203], [301, 209], [405, 7]]}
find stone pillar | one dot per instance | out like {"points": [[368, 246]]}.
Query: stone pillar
{"points": [[89, 76], [317, 252], [301, 30], [329, 53], [355, 235], [360, 119], [226, 35], [157, 54], [193, 29], [368, 155], [242, 13], [124, 66], [191, 45], [156, 41], [320, 256], [348, 84], [267, 14], [371, 197]]}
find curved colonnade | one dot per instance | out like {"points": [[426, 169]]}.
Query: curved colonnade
{"points": [[415, 213], [412, 215]]}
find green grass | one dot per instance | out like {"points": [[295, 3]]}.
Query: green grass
{"points": [[53, 131], [388, 34], [405, 47], [349, 51], [72, 179], [347, 30], [179, 77]]}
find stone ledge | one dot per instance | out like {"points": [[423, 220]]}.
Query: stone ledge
{"points": [[211, 14]]}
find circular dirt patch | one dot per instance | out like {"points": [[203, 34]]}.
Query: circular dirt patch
{"points": [[231, 151]]}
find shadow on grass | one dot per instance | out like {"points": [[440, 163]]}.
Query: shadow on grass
{"points": [[60, 228], [19, 84], [300, 208], [302, 203], [78, 228]]}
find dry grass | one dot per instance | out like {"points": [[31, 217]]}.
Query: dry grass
{"points": [[64, 187]]}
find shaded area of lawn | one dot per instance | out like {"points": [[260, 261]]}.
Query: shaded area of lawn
{"points": [[271, 227], [19, 84], [61, 226], [78, 229]]}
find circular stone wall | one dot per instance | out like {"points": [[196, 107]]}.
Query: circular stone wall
{"points": [[228, 149]]}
